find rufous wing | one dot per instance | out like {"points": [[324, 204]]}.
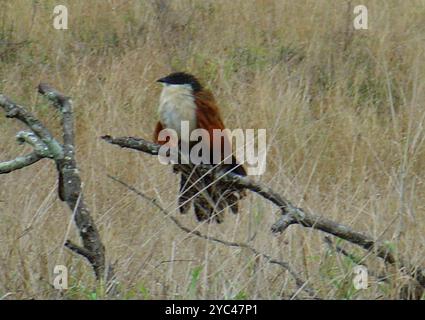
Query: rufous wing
{"points": [[208, 117], [158, 129]]}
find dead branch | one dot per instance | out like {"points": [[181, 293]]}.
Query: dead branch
{"points": [[13, 110], [40, 151], [46, 146], [301, 284], [290, 213], [70, 186], [19, 162]]}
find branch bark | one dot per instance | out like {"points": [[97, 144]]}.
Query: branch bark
{"points": [[290, 213], [70, 186], [19, 162], [14, 110], [46, 146], [40, 151]]}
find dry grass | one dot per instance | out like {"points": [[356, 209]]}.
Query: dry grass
{"points": [[345, 121]]}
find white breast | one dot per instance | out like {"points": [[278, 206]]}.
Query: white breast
{"points": [[176, 105]]}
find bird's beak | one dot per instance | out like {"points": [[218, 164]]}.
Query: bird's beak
{"points": [[162, 80]]}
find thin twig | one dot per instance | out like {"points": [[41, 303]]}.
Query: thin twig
{"points": [[301, 284]]}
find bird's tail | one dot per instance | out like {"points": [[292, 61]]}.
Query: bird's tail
{"points": [[210, 197]]}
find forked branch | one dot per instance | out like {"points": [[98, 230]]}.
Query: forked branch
{"points": [[46, 146]]}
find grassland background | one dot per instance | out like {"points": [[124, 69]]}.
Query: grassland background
{"points": [[343, 109]]}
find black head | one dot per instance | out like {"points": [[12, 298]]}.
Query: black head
{"points": [[182, 78]]}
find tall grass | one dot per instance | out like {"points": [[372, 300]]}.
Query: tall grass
{"points": [[344, 116]]}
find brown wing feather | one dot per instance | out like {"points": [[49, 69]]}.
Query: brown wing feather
{"points": [[158, 129], [209, 118]]}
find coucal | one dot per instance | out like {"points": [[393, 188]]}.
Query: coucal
{"points": [[183, 98]]}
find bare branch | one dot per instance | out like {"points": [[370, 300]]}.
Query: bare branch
{"points": [[46, 146], [64, 104], [19, 162], [290, 213], [38, 145], [79, 250], [133, 143], [15, 111], [70, 186], [301, 284], [40, 151]]}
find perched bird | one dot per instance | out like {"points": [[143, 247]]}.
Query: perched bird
{"points": [[183, 98]]}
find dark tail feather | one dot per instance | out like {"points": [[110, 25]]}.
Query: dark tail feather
{"points": [[210, 203], [235, 167]]}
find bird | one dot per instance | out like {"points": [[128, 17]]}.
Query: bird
{"points": [[183, 98]]}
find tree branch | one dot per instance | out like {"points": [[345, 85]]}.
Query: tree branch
{"points": [[290, 213], [19, 162], [70, 186], [301, 284], [79, 250], [46, 146], [40, 151], [15, 111], [64, 104]]}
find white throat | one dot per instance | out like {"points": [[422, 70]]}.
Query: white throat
{"points": [[177, 104]]}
